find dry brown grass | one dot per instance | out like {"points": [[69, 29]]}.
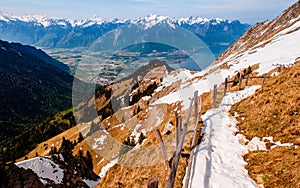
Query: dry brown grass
{"points": [[138, 177], [129, 176], [274, 111], [44, 148], [278, 168]]}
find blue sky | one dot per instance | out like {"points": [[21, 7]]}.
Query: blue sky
{"points": [[250, 11]]}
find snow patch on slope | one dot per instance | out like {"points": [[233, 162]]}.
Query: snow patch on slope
{"points": [[256, 144], [91, 183], [44, 168], [189, 83], [99, 142], [107, 167]]}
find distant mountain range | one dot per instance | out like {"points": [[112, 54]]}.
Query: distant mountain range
{"points": [[42, 31]]}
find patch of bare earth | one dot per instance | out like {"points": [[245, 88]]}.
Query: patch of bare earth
{"points": [[274, 111]]}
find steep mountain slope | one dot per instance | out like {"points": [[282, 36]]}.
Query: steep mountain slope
{"points": [[272, 115], [31, 89], [123, 142], [277, 38], [269, 119], [218, 34], [127, 110], [38, 54], [278, 103]]}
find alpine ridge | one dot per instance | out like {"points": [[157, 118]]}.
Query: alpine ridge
{"points": [[39, 30]]}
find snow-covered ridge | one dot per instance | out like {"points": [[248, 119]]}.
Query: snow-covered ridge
{"points": [[280, 49], [278, 36], [148, 21], [199, 20], [48, 21], [37, 19], [152, 20]]}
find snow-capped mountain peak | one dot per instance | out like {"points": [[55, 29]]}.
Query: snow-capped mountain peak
{"points": [[95, 18], [36, 19], [155, 17], [39, 29], [152, 20], [75, 23], [147, 21], [192, 20]]}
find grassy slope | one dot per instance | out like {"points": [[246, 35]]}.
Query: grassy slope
{"points": [[274, 111], [25, 142], [31, 89]]}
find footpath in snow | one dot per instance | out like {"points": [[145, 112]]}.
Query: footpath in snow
{"points": [[218, 160]]}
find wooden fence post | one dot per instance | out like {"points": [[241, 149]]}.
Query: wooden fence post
{"points": [[228, 81], [153, 182], [225, 87], [196, 118], [247, 80], [240, 82], [175, 162], [279, 69], [215, 96], [200, 104], [188, 173], [178, 127], [180, 118], [162, 146], [265, 77]]}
